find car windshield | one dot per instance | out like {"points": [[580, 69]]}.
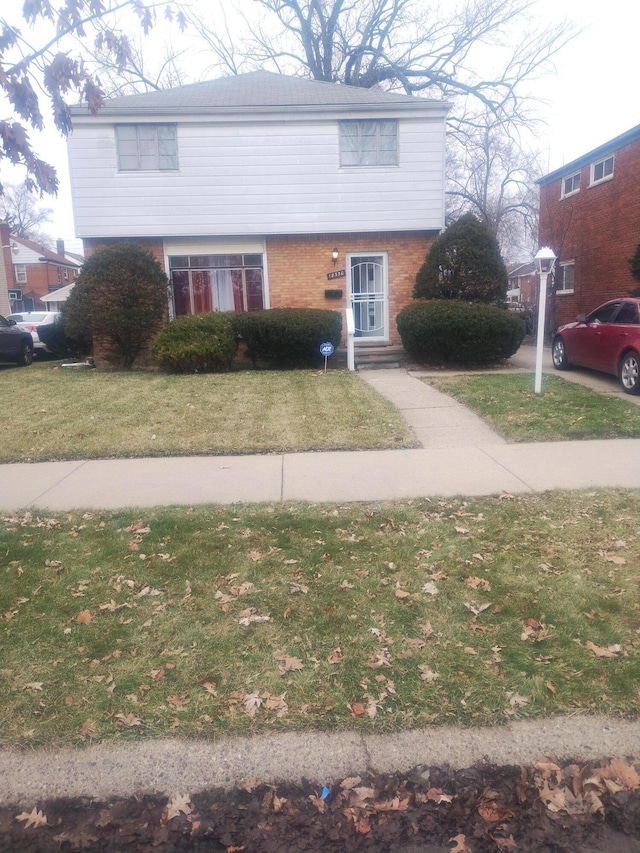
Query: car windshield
{"points": [[33, 317]]}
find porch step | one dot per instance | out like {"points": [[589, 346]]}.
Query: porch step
{"points": [[379, 357]]}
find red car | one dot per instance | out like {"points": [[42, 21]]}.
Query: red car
{"points": [[608, 340]]}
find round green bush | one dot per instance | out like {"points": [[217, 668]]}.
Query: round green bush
{"points": [[196, 343], [444, 331], [288, 337]]}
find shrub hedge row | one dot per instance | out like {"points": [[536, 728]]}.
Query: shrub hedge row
{"points": [[289, 337], [448, 331]]}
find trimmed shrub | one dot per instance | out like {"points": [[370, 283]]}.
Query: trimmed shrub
{"points": [[464, 263], [54, 336], [119, 300], [288, 337], [451, 332], [197, 343]]}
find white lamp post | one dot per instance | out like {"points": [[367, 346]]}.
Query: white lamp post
{"points": [[545, 261]]}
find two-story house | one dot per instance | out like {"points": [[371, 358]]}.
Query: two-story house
{"points": [[262, 190], [37, 271], [590, 217]]}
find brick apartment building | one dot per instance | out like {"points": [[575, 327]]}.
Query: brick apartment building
{"points": [[590, 217]]}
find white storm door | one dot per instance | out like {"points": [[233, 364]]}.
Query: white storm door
{"points": [[369, 295]]}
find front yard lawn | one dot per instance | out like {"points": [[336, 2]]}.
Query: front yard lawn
{"points": [[199, 622], [563, 412], [50, 412]]}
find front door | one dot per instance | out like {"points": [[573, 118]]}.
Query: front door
{"points": [[368, 296]]}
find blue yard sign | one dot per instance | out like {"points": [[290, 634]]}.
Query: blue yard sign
{"points": [[326, 349]]}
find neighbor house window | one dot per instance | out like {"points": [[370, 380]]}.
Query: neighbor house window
{"points": [[571, 184], [203, 283], [369, 143], [21, 273], [566, 277], [146, 147], [601, 170]]}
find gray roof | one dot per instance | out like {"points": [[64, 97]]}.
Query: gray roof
{"points": [[260, 90]]}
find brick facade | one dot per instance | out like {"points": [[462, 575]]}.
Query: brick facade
{"points": [[298, 266], [597, 226]]}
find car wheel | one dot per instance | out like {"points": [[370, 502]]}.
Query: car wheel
{"points": [[629, 373], [559, 355], [26, 355]]}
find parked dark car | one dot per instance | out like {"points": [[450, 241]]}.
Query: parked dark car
{"points": [[15, 343], [607, 339]]}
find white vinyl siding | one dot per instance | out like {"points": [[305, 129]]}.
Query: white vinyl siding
{"points": [[257, 179], [146, 147]]}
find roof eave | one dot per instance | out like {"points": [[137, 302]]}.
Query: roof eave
{"points": [[440, 108]]}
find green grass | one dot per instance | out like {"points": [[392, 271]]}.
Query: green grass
{"points": [[69, 414], [564, 411], [124, 625]]}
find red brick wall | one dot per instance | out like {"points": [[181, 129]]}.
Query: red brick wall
{"points": [[298, 267], [42, 278], [599, 227]]}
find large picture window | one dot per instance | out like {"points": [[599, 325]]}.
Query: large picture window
{"points": [[203, 283], [369, 143], [146, 147]]}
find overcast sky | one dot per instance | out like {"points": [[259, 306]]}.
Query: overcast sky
{"points": [[593, 95]]}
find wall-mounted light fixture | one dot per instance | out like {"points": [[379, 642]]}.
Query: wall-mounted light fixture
{"points": [[334, 256]]}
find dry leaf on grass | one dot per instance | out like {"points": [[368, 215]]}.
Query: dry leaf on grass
{"points": [[250, 615], [84, 617], [598, 651], [534, 630], [478, 583], [128, 720], [335, 656], [289, 664], [477, 608], [427, 674]]}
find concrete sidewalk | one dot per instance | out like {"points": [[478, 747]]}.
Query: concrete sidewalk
{"points": [[460, 455]]}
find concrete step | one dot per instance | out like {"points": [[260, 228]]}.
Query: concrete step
{"points": [[379, 357]]}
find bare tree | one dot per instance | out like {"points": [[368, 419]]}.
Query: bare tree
{"points": [[25, 214], [27, 68], [475, 50], [492, 174], [143, 72]]}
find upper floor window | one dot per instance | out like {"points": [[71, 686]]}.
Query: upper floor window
{"points": [[21, 272], [571, 184], [369, 143], [601, 170], [566, 277], [146, 147]]}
